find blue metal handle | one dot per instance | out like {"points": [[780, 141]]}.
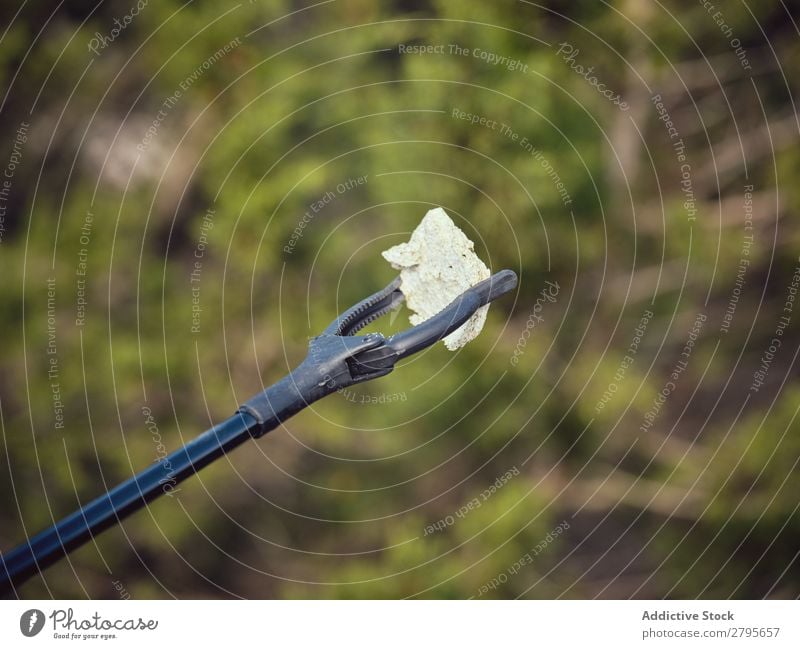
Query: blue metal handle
{"points": [[50, 545]]}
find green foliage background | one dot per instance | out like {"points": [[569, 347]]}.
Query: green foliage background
{"points": [[336, 503]]}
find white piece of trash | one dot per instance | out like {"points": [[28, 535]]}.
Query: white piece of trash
{"points": [[436, 265]]}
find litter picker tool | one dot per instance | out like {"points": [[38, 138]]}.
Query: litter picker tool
{"points": [[337, 358]]}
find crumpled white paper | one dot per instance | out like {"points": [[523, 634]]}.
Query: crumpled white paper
{"points": [[436, 265]]}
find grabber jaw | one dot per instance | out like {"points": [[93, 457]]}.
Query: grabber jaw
{"points": [[377, 360], [338, 358], [427, 333], [362, 313]]}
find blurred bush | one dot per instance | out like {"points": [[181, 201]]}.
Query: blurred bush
{"points": [[240, 146]]}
